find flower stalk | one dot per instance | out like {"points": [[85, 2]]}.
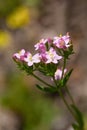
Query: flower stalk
{"points": [[35, 76]]}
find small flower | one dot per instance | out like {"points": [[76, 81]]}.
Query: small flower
{"points": [[42, 41], [20, 55], [62, 41], [52, 56], [58, 74], [32, 59], [29, 59], [42, 48], [43, 57], [36, 58]]}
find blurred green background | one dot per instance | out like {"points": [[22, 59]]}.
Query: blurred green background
{"points": [[22, 24]]}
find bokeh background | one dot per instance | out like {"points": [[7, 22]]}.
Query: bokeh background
{"points": [[22, 24]]}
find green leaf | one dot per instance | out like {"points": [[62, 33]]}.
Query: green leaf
{"points": [[24, 67], [47, 89], [79, 116], [47, 69], [67, 76], [40, 87]]}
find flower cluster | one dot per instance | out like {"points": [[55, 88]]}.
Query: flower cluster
{"points": [[49, 53]]}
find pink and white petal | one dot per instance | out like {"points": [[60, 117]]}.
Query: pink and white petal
{"points": [[22, 52], [59, 57], [36, 58], [16, 55], [55, 61], [26, 59], [30, 63]]}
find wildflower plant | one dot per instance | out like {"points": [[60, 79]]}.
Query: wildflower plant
{"points": [[50, 60]]}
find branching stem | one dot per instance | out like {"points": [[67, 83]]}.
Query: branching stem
{"points": [[41, 80]]}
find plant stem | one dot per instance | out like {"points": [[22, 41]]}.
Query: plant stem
{"points": [[67, 105], [41, 80], [69, 94], [63, 67]]}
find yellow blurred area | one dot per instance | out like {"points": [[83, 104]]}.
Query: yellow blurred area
{"points": [[20, 17], [5, 39]]}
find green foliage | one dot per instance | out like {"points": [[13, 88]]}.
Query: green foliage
{"points": [[31, 106], [47, 69], [24, 67], [8, 6], [47, 89], [60, 83], [79, 118], [66, 78]]}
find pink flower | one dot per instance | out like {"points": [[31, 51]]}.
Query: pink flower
{"points": [[49, 40], [52, 56], [32, 59], [43, 57], [62, 41], [42, 48], [42, 41], [58, 74], [28, 59], [36, 58], [20, 55]]}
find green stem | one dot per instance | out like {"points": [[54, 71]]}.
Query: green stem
{"points": [[54, 81], [67, 105], [41, 80], [63, 67], [69, 94]]}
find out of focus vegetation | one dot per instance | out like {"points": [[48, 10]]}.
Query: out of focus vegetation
{"points": [[36, 112], [8, 6], [15, 14]]}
